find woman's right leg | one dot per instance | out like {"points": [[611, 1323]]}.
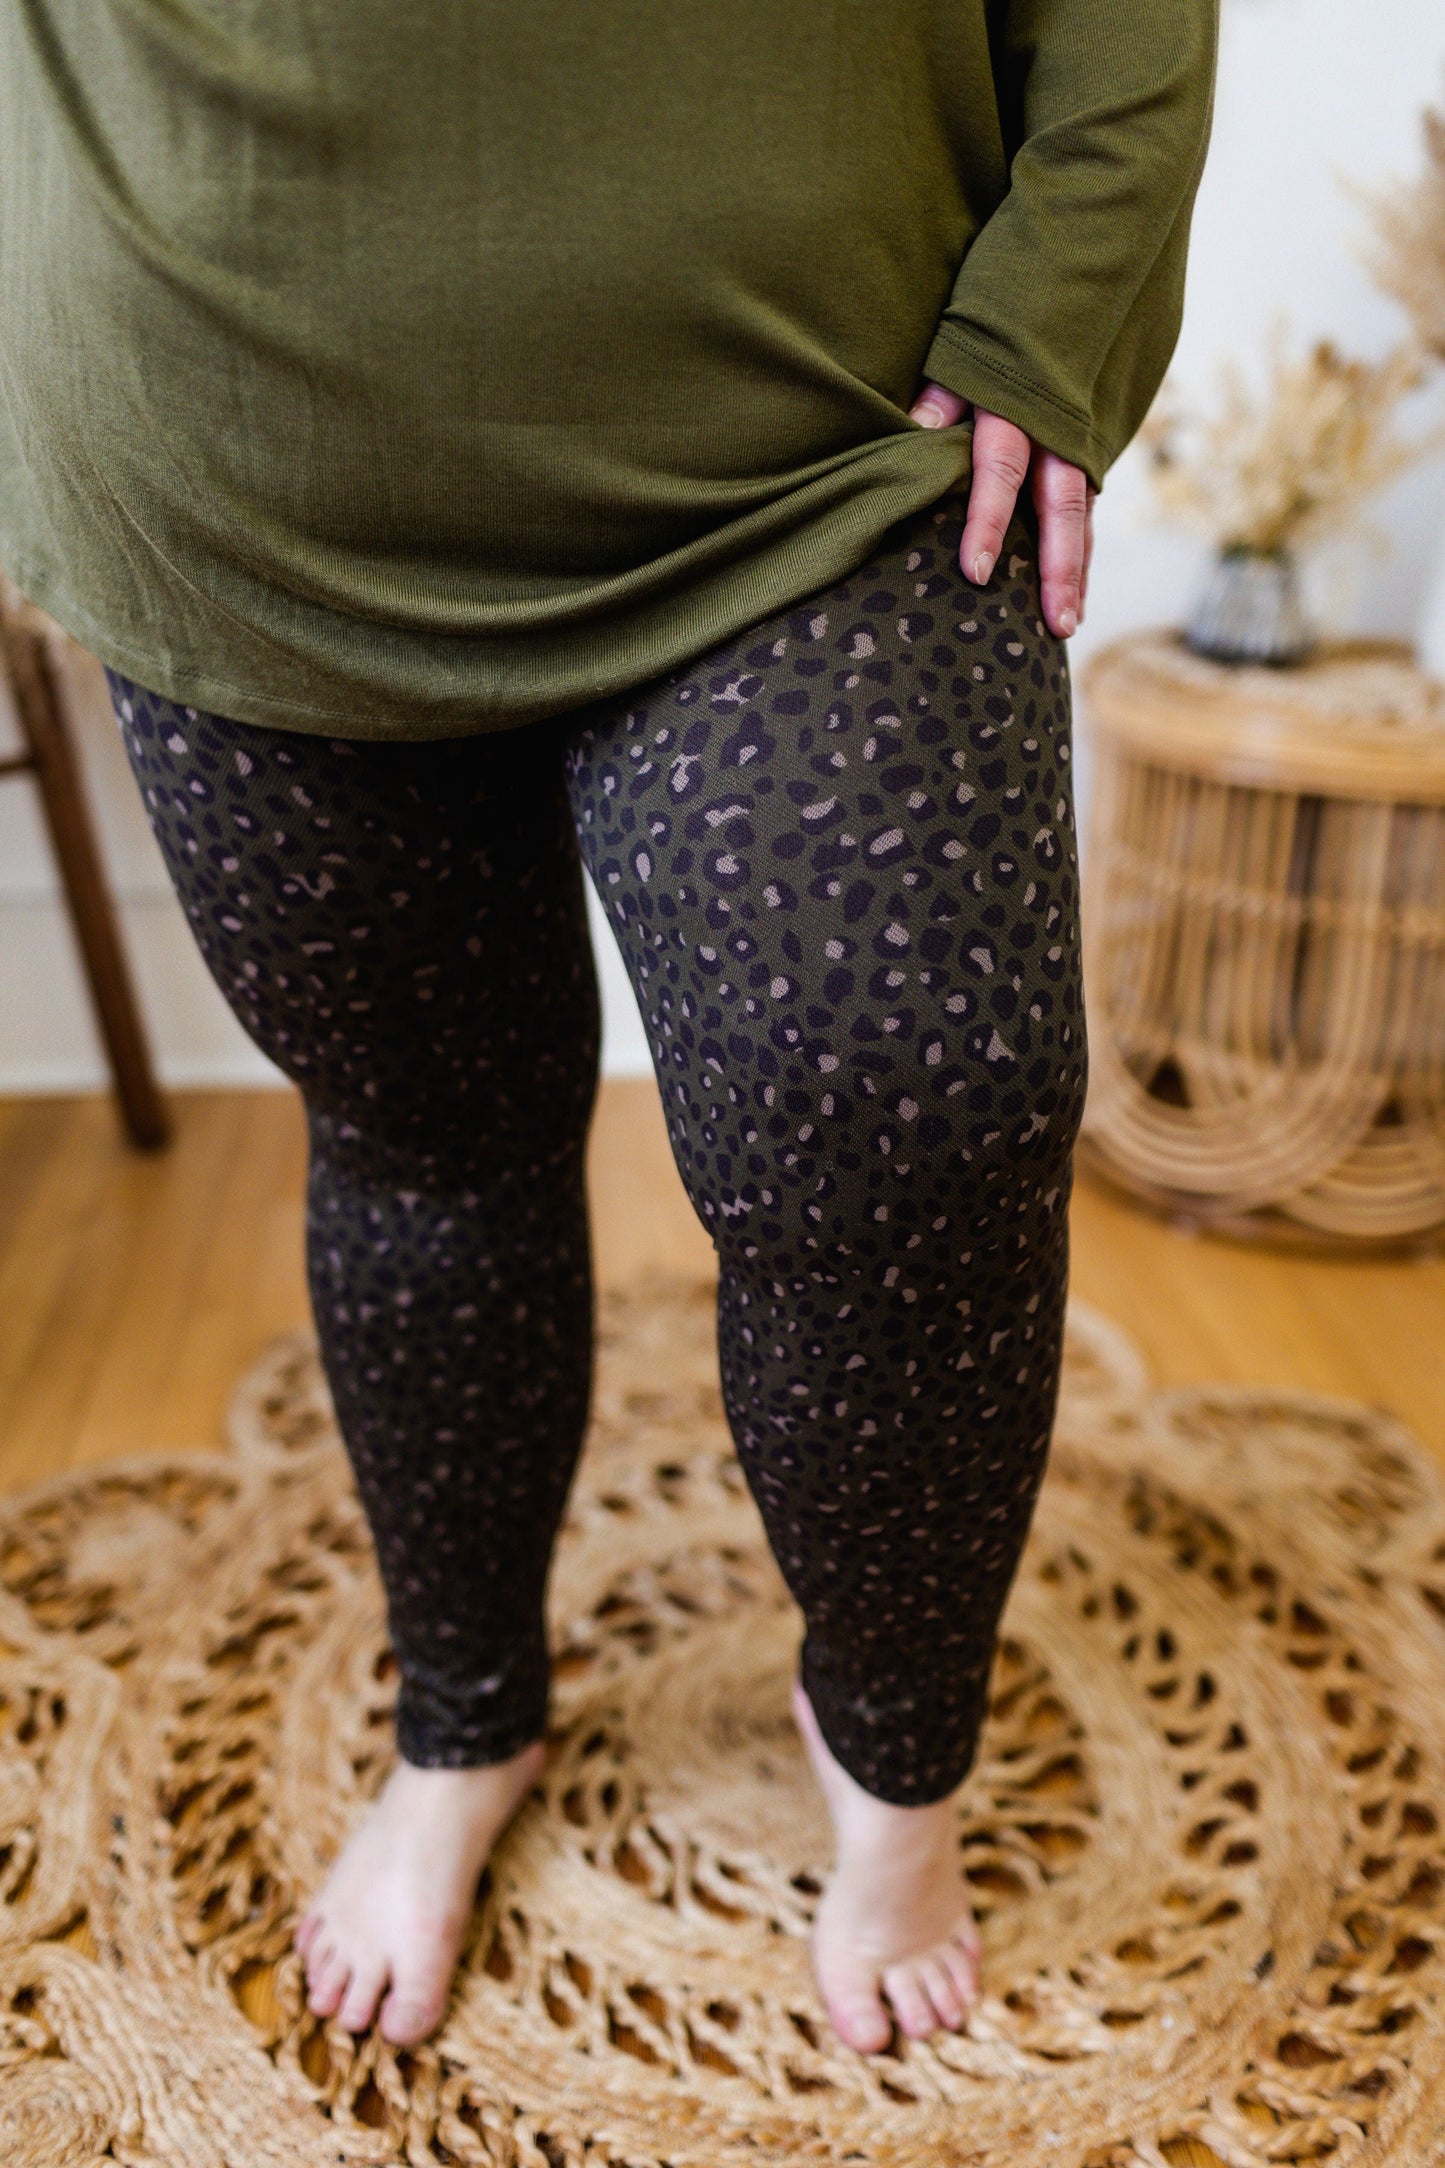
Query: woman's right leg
{"points": [[402, 929]]}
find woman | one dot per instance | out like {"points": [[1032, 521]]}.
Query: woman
{"points": [[480, 440]]}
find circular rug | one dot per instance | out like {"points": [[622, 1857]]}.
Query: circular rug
{"points": [[1203, 1834]]}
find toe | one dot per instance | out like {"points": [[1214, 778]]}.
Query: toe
{"points": [[942, 1991], [406, 2019], [855, 2007], [307, 1928], [327, 1975], [962, 1968], [417, 2000], [358, 2005], [905, 1990], [969, 1941], [319, 1952], [862, 2022]]}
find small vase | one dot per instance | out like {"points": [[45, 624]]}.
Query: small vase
{"points": [[1250, 611]]}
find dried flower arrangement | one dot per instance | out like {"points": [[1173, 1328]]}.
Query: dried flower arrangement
{"points": [[1272, 472], [1408, 262], [1280, 470], [1408, 256]]}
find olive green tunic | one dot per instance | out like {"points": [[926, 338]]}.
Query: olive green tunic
{"points": [[414, 367]]}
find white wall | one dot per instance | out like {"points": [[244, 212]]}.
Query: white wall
{"points": [[1313, 94], [1310, 91]]}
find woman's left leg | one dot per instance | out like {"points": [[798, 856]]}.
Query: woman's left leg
{"points": [[839, 858]]}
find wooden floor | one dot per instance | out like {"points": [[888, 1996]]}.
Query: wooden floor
{"points": [[135, 1288]]}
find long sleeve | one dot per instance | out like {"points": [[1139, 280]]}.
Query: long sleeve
{"points": [[1067, 307]]}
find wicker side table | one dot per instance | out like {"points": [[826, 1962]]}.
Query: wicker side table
{"points": [[1264, 938]]}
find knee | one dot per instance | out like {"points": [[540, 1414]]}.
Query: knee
{"points": [[913, 1157]]}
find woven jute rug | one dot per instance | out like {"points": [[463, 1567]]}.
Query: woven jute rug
{"points": [[1204, 1833]]}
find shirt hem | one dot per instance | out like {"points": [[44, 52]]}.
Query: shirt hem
{"points": [[827, 549], [186, 686]]}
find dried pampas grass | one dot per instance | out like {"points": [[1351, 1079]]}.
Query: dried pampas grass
{"points": [[1276, 470], [1408, 255]]}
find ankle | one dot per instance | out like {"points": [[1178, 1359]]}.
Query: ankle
{"points": [[530, 1756], [893, 1854], [913, 1837]]}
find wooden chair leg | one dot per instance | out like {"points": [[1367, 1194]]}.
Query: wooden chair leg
{"points": [[31, 670]]}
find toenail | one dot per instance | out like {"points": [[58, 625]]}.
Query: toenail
{"points": [[410, 2017], [866, 2023]]}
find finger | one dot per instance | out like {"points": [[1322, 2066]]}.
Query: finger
{"points": [[1088, 554], [1061, 493], [937, 407], [1001, 454]]}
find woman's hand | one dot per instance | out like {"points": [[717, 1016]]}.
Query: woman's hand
{"points": [[1003, 458]]}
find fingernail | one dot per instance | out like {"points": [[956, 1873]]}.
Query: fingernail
{"points": [[931, 417], [982, 566], [1068, 620]]}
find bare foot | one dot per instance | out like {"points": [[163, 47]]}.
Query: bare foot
{"points": [[895, 1920], [395, 1907]]}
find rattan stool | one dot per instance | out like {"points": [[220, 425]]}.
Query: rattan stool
{"points": [[1264, 940]]}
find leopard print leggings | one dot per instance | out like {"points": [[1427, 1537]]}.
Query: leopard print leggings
{"points": [[838, 854]]}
